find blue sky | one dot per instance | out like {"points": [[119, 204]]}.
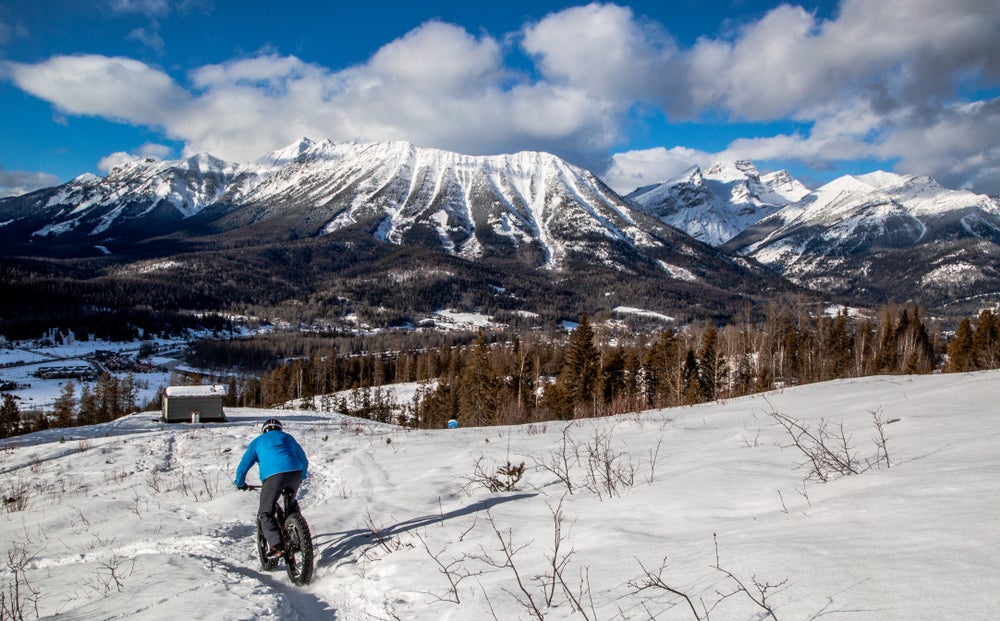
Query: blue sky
{"points": [[635, 91]]}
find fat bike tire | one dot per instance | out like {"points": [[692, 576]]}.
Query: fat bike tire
{"points": [[298, 549], [266, 563]]}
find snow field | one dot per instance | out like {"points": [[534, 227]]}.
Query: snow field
{"points": [[135, 519]]}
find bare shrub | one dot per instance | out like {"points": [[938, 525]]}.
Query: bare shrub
{"points": [[607, 472], [454, 570], [880, 439], [499, 479], [18, 495], [561, 461], [538, 600], [111, 574], [18, 598], [758, 595], [828, 449], [382, 538]]}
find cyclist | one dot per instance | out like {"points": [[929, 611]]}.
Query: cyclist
{"points": [[282, 464]]}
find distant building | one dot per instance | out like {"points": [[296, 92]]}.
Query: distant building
{"points": [[83, 372], [192, 404]]}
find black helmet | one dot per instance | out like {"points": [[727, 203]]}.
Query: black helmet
{"points": [[269, 424]]}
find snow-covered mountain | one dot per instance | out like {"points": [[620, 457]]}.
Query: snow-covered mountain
{"points": [[884, 233], [879, 237], [470, 206], [467, 205], [716, 205]]}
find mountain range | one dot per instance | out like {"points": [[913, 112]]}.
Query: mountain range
{"points": [[380, 225], [880, 237], [696, 239]]}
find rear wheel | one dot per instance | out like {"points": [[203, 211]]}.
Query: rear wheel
{"points": [[298, 549], [268, 564]]}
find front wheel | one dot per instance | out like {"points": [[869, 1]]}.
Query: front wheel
{"points": [[298, 549]]}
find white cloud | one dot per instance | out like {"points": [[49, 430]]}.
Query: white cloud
{"points": [[602, 49], [958, 145], [789, 63], [865, 83], [437, 86], [143, 7], [150, 38], [438, 57], [634, 169], [146, 151], [112, 87], [16, 183]]}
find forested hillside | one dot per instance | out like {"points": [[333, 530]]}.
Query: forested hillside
{"points": [[490, 380]]}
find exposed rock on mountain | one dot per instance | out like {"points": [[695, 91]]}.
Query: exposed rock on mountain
{"points": [[717, 205]]}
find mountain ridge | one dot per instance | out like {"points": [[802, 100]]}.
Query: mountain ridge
{"points": [[898, 237], [324, 221], [877, 237], [716, 205]]}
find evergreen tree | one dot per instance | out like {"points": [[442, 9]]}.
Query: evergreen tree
{"points": [[127, 394], [914, 344], [478, 398], [41, 423], [89, 406], [986, 340], [558, 401], [961, 354], [692, 387], [10, 417], [887, 355], [613, 376], [65, 405], [836, 348], [711, 366], [581, 367], [106, 395]]}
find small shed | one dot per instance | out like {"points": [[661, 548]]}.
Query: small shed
{"points": [[193, 404]]}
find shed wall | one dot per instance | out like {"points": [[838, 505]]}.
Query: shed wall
{"points": [[178, 409]]}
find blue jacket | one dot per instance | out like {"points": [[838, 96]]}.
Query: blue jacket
{"points": [[275, 451]]}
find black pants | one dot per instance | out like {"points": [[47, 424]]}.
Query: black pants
{"points": [[270, 490]]}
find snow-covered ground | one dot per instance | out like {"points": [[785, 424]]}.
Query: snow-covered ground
{"points": [[20, 360], [136, 519]]}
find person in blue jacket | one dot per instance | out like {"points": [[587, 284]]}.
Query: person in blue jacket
{"points": [[282, 465]]}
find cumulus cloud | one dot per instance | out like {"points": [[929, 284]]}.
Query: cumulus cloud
{"points": [[16, 183], [869, 81], [113, 87], [603, 49], [957, 145], [882, 79], [437, 86], [146, 151], [635, 169]]}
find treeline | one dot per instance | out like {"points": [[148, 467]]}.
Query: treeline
{"points": [[103, 310], [105, 400], [496, 380], [975, 347]]}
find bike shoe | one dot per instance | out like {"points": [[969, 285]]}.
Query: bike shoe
{"points": [[275, 551]]}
